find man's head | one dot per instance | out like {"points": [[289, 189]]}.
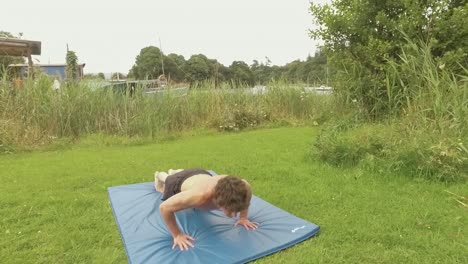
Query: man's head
{"points": [[232, 195]]}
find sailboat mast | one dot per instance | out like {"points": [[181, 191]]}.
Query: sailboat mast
{"points": [[162, 56]]}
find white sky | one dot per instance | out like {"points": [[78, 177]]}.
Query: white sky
{"points": [[107, 35]]}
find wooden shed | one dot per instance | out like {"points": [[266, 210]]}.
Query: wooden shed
{"points": [[20, 48]]}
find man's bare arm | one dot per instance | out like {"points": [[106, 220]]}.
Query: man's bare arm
{"points": [[180, 201], [243, 220], [245, 212]]}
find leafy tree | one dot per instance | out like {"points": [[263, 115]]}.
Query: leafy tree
{"points": [[261, 72], [314, 69], [276, 72], [198, 68], [361, 36], [118, 76], [148, 64], [6, 60], [90, 76], [293, 71], [241, 73], [72, 65], [450, 33], [173, 66], [94, 76], [221, 73], [179, 60], [131, 73]]}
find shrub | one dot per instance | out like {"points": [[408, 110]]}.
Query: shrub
{"points": [[442, 158], [348, 144], [241, 117], [391, 147]]}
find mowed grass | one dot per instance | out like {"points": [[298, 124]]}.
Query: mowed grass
{"points": [[54, 206]]}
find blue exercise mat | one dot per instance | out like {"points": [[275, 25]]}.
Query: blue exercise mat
{"points": [[147, 240]]}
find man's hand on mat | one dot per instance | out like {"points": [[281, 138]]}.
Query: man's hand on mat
{"points": [[246, 223], [183, 241]]}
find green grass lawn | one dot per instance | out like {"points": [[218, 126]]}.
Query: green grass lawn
{"points": [[54, 206]]}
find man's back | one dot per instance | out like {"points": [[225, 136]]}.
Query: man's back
{"points": [[202, 185], [200, 182]]}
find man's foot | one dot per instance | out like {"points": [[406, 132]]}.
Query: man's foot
{"points": [[158, 184], [171, 171], [162, 176]]}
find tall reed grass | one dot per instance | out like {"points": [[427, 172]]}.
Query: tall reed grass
{"points": [[427, 92], [36, 114], [424, 131]]}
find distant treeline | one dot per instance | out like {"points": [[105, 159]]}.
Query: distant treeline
{"points": [[151, 63]]}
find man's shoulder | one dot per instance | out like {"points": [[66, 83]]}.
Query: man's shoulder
{"points": [[193, 196], [199, 196], [219, 176]]}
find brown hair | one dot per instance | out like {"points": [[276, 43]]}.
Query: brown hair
{"points": [[232, 194]]}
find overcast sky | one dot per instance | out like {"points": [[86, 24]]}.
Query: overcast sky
{"points": [[107, 35]]}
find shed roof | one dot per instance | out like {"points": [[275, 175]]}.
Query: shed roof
{"points": [[45, 65], [19, 47]]}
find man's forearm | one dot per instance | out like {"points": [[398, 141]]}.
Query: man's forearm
{"points": [[244, 213], [170, 221]]}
